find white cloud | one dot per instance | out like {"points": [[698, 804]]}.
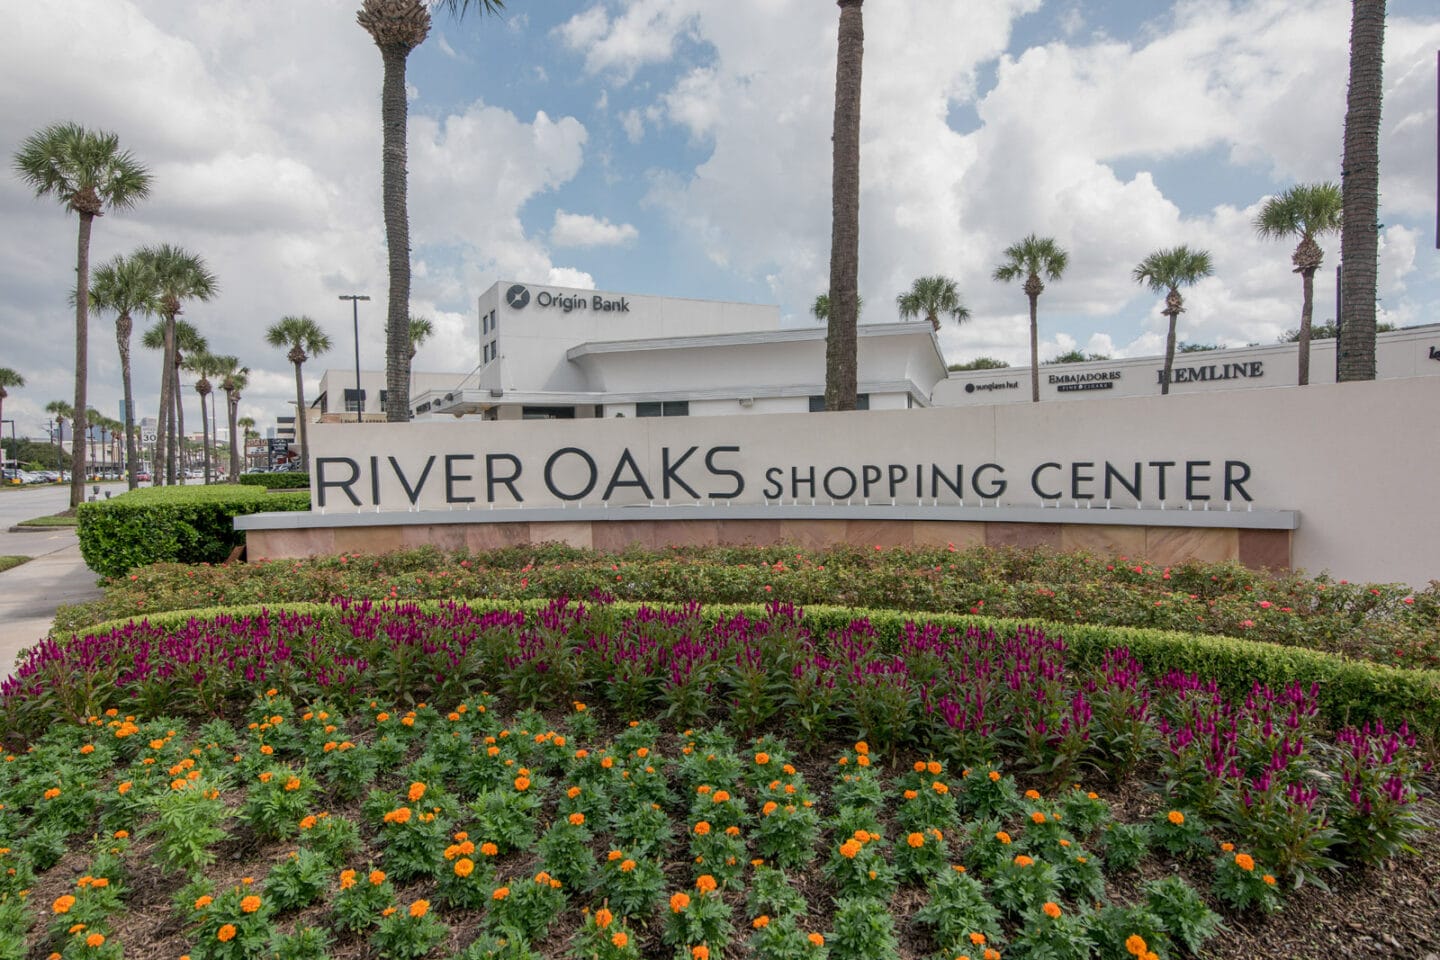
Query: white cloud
{"points": [[633, 124], [581, 230], [645, 33]]}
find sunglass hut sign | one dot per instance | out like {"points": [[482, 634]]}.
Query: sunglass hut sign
{"points": [[518, 297]]}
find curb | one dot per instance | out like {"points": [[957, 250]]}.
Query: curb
{"points": [[19, 529]]}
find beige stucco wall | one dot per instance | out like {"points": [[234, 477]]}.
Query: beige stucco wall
{"points": [[1359, 462]]}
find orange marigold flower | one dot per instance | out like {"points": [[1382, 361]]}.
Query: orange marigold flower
{"points": [[419, 908], [1003, 837], [347, 879], [52, 793], [1175, 817], [95, 940], [1135, 945], [1269, 880], [770, 807], [382, 717], [1032, 794], [940, 788], [122, 834], [464, 867], [916, 840], [607, 762], [620, 940], [522, 783], [863, 761], [266, 776], [124, 788], [720, 796], [202, 902], [732, 831], [1023, 861], [990, 954], [849, 849], [862, 747], [701, 952], [762, 758], [500, 893], [387, 911], [402, 815], [376, 877], [1244, 861], [977, 938], [816, 939], [577, 819], [267, 749], [226, 933], [994, 776], [1052, 909], [911, 794], [1037, 817], [760, 922], [63, 904], [292, 784], [627, 865], [1227, 847], [308, 823], [489, 849], [643, 752], [88, 748], [919, 766], [702, 828], [705, 883], [250, 904], [573, 792], [417, 790], [679, 901]]}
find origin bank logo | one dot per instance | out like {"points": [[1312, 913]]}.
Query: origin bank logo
{"points": [[517, 297]]}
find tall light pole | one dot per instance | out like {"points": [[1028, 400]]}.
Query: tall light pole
{"points": [[355, 299]]}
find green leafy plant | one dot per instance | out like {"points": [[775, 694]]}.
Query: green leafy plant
{"points": [[306, 943], [276, 801], [1125, 845], [524, 908], [236, 925], [956, 909], [699, 918], [1182, 911], [187, 826], [630, 884], [864, 930], [297, 881], [1241, 883], [360, 899], [783, 938], [408, 933]]}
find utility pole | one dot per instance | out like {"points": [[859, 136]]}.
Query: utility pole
{"points": [[355, 299]]}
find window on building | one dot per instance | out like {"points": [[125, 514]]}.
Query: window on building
{"points": [[817, 403], [487, 353], [354, 400], [547, 413], [494, 350], [382, 398], [484, 324], [669, 408]]}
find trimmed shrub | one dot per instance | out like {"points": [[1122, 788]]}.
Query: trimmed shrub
{"points": [[181, 524], [276, 481]]}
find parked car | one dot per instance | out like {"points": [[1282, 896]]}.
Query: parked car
{"points": [[142, 476]]}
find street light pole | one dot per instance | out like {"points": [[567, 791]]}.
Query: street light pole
{"points": [[355, 299]]}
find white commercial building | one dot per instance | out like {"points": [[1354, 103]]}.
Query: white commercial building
{"points": [[560, 353]]}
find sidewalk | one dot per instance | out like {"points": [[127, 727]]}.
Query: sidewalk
{"points": [[31, 592]]}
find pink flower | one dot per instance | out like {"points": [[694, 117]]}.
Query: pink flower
{"points": [[1265, 604], [1247, 623]]}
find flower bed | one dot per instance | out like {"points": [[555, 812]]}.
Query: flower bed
{"points": [[458, 830], [1384, 623]]}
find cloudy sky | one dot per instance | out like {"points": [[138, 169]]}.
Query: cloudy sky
{"points": [[683, 147]]}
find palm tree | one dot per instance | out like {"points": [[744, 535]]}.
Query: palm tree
{"points": [[61, 411], [86, 171], [246, 424], [820, 309], [421, 329], [397, 27], [929, 297], [1306, 211], [1360, 176], [188, 341], [233, 379], [305, 339], [1029, 259], [1166, 271], [179, 276], [202, 364], [8, 378], [125, 286], [844, 310]]}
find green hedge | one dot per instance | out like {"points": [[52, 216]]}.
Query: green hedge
{"points": [[276, 481], [1351, 691], [176, 524]]}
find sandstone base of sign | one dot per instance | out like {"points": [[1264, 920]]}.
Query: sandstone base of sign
{"points": [[1256, 548]]}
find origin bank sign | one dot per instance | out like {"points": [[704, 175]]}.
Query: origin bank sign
{"points": [[518, 298]]}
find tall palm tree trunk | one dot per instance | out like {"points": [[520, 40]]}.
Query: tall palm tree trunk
{"points": [[82, 360], [1307, 311], [232, 408], [1360, 181], [1034, 349], [1169, 353], [123, 328], [205, 439], [161, 473], [840, 340], [300, 420], [397, 236], [178, 456]]}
